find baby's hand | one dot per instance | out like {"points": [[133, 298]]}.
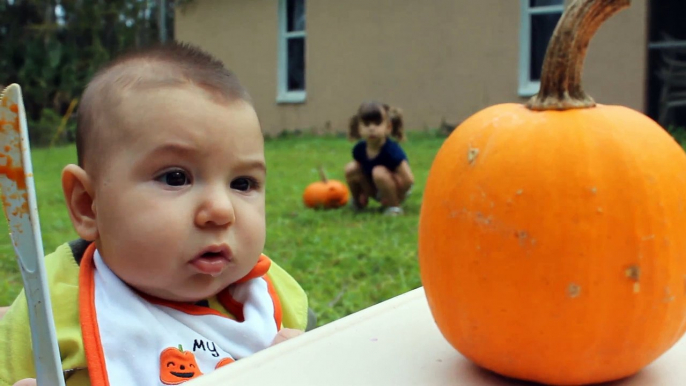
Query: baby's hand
{"points": [[281, 336], [26, 382]]}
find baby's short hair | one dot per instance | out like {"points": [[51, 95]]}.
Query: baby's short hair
{"points": [[157, 66]]}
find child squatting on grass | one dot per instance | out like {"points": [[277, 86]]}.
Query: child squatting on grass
{"points": [[168, 281], [380, 168]]}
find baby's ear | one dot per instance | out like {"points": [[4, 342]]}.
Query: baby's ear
{"points": [[79, 196]]}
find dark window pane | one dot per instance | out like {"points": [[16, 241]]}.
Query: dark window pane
{"points": [[296, 64], [543, 3], [295, 14], [542, 27]]}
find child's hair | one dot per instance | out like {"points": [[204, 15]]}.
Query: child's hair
{"points": [[372, 112], [170, 64]]}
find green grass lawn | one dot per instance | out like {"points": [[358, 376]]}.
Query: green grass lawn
{"points": [[345, 261]]}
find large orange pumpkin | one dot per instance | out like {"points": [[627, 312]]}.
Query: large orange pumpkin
{"points": [[326, 193], [552, 235]]}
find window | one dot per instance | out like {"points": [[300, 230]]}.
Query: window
{"points": [[291, 58], [538, 20]]}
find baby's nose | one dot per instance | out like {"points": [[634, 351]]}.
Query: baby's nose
{"points": [[216, 210]]}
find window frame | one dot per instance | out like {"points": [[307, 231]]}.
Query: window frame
{"points": [[528, 87], [283, 95]]}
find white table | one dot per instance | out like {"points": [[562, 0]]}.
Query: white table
{"points": [[392, 343]]}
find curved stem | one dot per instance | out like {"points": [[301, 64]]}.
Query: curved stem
{"points": [[563, 64], [322, 175]]}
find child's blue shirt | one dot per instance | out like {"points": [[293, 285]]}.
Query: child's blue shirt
{"points": [[391, 156]]}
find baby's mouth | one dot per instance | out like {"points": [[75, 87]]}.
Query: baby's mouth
{"points": [[212, 261]]}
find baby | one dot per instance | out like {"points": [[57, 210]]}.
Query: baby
{"points": [[168, 281]]}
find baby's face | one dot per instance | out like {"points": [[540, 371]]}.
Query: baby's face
{"points": [[179, 202]]}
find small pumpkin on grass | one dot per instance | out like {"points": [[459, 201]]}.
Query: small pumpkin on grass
{"points": [[552, 235], [326, 193]]}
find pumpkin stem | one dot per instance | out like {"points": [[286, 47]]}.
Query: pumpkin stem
{"points": [[564, 58], [322, 174], [181, 348]]}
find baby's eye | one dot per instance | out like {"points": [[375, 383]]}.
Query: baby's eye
{"points": [[244, 184], [174, 178]]}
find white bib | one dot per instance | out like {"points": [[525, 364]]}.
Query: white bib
{"points": [[134, 341]]}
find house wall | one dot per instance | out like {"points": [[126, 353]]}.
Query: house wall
{"points": [[434, 59]]}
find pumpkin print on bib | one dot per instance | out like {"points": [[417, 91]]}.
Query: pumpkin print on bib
{"points": [[178, 366]]}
